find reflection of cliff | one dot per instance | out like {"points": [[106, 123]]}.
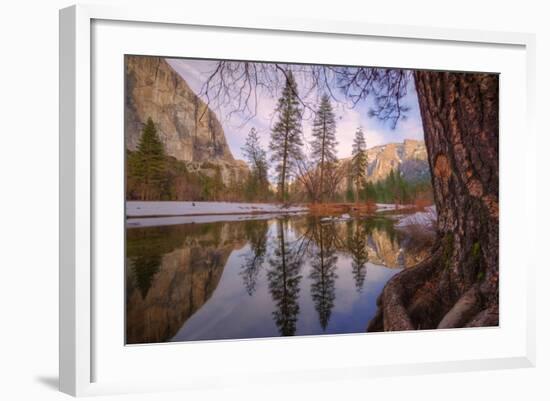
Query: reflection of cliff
{"points": [[385, 247], [376, 238], [190, 258]]}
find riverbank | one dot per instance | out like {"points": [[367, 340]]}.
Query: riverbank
{"points": [[160, 213]]}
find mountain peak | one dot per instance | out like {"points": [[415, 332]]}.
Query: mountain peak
{"points": [[409, 157]]}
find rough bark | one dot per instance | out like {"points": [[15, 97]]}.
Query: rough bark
{"points": [[460, 119]]}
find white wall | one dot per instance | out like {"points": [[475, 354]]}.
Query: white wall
{"points": [[28, 200]]}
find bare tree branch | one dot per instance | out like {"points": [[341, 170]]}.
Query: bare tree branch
{"points": [[238, 86]]}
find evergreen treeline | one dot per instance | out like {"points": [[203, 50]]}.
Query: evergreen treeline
{"points": [[393, 189], [153, 175]]}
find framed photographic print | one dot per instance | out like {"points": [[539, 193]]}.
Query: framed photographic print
{"points": [[307, 186]]}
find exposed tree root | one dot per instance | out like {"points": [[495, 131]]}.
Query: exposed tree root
{"points": [[413, 300], [463, 310], [392, 314], [487, 317]]}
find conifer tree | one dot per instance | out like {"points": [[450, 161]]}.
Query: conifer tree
{"points": [[148, 162], [286, 140], [258, 185], [323, 146], [359, 161]]}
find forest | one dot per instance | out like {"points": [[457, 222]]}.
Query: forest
{"points": [[300, 178]]}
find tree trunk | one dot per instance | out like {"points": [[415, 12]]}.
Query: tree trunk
{"points": [[458, 285], [283, 172]]}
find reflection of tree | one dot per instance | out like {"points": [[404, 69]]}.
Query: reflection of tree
{"points": [[284, 281], [145, 267], [357, 246], [387, 226], [256, 234], [323, 266]]}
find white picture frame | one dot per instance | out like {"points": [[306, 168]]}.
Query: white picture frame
{"points": [[81, 211]]}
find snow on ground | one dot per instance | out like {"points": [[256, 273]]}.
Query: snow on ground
{"points": [[425, 218], [212, 218], [343, 217], [157, 209], [380, 207], [148, 214]]}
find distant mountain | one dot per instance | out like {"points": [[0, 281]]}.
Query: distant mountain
{"points": [[409, 158]]}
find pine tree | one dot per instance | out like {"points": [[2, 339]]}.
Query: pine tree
{"points": [[286, 140], [359, 161], [258, 185], [323, 146], [148, 162]]}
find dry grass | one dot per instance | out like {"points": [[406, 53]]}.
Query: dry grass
{"points": [[341, 208], [421, 204]]}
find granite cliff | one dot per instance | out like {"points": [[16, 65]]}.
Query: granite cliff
{"points": [[189, 130], [409, 158]]}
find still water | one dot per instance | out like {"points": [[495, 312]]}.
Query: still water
{"points": [[300, 275]]}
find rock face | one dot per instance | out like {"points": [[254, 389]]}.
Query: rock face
{"points": [[189, 130], [232, 172], [409, 158]]}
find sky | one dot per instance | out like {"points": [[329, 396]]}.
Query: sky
{"points": [[348, 119]]}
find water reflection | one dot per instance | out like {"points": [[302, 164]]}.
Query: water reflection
{"points": [[256, 234], [246, 279], [284, 279], [323, 268], [357, 244]]}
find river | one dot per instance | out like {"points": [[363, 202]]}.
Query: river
{"points": [[269, 277]]}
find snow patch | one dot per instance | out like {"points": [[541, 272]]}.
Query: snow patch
{"points": [[157, 209], [425, 218], [391, 206], [176, 220]]}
